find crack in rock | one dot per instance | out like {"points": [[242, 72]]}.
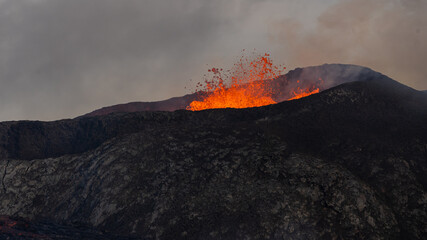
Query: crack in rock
{"points": [[4, 175]]}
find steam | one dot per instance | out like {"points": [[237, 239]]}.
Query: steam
{"points": [[385, 35]]}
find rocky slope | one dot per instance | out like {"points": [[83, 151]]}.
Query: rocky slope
{"points": [[348, 163]]}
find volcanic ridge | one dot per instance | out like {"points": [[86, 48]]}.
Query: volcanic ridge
{"points": [[347, 163]]}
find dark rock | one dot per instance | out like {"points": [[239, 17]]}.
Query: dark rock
{"points": [[348, 163], [20, 228]]}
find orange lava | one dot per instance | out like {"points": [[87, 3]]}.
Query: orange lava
{"points": [[243, 86], [300, 93], [234, 97]]}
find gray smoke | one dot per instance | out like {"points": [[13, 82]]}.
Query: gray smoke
{"points": [[62, 59], [388, 36], [65, 58]]}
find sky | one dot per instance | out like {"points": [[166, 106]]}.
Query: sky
{"points": [[62, 59]]}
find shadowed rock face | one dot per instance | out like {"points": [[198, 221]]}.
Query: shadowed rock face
{"points": [[348, 163]]}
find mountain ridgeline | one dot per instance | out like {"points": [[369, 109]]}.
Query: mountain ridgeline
{"points": [[347, 163], [330, 75]]}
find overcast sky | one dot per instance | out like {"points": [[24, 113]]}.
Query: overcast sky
{"points": [[63, 58]]}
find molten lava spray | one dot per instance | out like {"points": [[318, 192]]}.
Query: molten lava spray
{"points": [[243, 86]]}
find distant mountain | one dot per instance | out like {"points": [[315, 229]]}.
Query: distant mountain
{"points": [[347, 163], [329, 74]]}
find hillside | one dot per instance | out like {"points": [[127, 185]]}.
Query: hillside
{"points": [[347, 163]]}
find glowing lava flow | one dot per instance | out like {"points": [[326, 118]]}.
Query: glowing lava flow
{"points": [[243, 86], [300, 93]]}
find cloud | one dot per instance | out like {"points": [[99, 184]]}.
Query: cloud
{"points": [[64, 58], [386, 35]]}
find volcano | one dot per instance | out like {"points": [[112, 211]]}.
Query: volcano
{"points": [[282, 87], [347, 163]]}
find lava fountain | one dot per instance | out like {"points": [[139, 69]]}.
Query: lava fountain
{"points": [[244, 86]]}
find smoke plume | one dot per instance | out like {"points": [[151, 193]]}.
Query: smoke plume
{"points": [[388, 36]]}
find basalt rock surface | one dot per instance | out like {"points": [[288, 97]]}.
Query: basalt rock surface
{"points": [[347, 163]]}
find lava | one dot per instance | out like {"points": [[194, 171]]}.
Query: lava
{"points": [[300, 93], [243, 86]]}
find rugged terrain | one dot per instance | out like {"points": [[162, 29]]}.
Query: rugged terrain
{"points": [[347, 163]]}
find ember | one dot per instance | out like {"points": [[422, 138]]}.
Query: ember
{"points": [[243, 86]]}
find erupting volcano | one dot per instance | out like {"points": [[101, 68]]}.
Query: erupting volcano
{"points": [[244, 85], [352, 156]]}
